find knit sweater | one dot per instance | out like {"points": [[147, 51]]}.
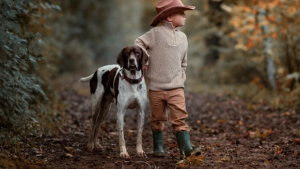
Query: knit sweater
{"points": [[166, 47]]}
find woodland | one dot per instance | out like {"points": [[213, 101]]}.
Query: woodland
{"points": [[242, 89]]}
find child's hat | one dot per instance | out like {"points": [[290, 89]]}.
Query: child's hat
{"points": [[165, 8]]}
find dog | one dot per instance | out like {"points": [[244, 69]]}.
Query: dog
{"points": [[123, 82]]}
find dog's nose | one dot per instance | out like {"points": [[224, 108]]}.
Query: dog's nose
{"points": [[131, 60]]}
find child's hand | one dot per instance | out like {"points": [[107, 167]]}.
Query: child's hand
{"points": [[145, 68]]}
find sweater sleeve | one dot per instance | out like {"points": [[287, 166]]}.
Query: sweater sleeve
{"points": [[145, 42], [184, 61]]}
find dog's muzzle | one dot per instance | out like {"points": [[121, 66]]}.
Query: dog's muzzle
{"points": [[132, 64]]}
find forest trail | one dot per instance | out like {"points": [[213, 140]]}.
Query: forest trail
{"points": [[231, 133]]}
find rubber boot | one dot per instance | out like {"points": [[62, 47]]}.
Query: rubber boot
{"points": [[184, 145], [158, 150]]}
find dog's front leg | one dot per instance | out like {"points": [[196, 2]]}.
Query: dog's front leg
{"points": [[120, 122], [139, 147]]}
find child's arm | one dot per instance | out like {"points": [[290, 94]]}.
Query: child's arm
{"points": [[184, 61], [145, 42]]}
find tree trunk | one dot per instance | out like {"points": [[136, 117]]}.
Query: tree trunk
{"points": [[212, 40], [271, 70]]}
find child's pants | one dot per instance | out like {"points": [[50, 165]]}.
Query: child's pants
{"points": [[175, 100]]}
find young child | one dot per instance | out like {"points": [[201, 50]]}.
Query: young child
{"points": [[167, 47]]}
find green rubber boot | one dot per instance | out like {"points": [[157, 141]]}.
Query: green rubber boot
{"points": [[184, 145], [158, 150]]}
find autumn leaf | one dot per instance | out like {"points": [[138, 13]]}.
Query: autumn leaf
{"points": [[240, 123], [236, 22], [271, 18], [283, 30], [220, 121], [267, 162], [274, 3], [246, 9], [277, 101], [191, 160], [274, 35], [250, 43], [255, 80], [279, 149], [173, 145], [69, 155], [263, 134], [262, 4], [175, 154], [257, 32], [224, 159], [292, 10], [297, 140], [70, 149]]}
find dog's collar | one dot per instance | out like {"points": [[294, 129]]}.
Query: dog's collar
{"points": [[133, 81]]}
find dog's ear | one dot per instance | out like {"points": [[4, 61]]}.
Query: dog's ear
{"points": [[144, 58], [120, 59]]}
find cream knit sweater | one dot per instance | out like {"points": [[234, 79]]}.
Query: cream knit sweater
{"points": [[166, 47]]}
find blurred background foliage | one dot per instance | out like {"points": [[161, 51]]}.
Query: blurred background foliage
{"points": [[246, 49], [28, 64]]}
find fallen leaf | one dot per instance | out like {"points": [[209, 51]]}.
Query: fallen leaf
{"points": [[175, 154], [215, 144], [113, 133], [297, 140], [241, 123], [173, 145], [191, 160], [224, 159], [220, 121], [198, 121], [130, 132], [69, 155], [70, 149], [279, 149]]}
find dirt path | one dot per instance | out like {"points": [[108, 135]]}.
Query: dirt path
{"points": [[232, 134]]}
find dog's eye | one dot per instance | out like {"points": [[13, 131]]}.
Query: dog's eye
{"points": [[126, 53], [137, 53]]}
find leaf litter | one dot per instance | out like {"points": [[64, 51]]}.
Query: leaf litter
{"points": [[229, 133]]}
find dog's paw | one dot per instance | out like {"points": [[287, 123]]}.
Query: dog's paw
{"points": [[94, 146], [142, 154], [124, 155], [89, 148]]}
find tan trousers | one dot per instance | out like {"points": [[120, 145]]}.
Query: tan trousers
{"points": [[175, 100]]}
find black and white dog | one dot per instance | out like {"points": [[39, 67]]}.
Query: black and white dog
{"points": [[124, 83]]}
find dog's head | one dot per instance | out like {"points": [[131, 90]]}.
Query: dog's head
{"points": [[132, 58]]}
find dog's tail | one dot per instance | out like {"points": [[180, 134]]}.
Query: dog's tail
{"points": [[86, 79]]}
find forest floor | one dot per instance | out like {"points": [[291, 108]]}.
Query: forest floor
{"points": [[231, 133]]}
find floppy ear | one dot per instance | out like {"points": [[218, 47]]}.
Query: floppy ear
{"points": [[120, 59], [144, 58]]}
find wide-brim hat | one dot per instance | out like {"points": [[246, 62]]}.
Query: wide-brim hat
{"points": [[166, 8]]}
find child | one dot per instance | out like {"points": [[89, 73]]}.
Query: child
{"points": [[167, 50]]}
